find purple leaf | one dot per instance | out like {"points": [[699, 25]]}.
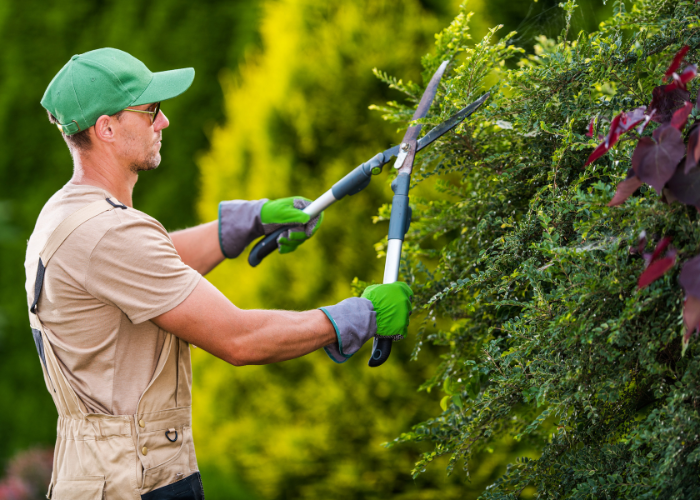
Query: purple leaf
{"points": [[676, 63], [655, 159], [665, 101], [660, 247], [690, 281], [597, 153], [690, 277], [642, 242], [644, 124], [681, 81], [619, 125], [625, 189], [614, 132], [688, 74], [655, 270], [667, 196], [590, 128], [630, 119], [656, 266], [686, 187], [691, 318], [680, 117], [693, 154]]}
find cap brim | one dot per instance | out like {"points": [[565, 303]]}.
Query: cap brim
{"points": [[166, 85]]}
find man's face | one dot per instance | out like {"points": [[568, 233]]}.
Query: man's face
{"points": [[140, 140]]}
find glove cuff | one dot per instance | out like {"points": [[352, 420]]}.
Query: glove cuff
{"points": [[239, 225], [355, 322]]}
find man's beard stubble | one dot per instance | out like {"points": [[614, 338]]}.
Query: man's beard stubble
{"points": [[150, 163]]}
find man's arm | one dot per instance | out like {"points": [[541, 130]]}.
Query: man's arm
{"points": [[241, 222], [207, 319], [199, 246]]}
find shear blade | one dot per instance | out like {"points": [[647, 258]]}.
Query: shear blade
{"points": [[436, 132]]}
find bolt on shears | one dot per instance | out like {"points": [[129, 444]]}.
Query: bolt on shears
{"points": [[359, 178]]}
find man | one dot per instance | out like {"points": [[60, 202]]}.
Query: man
{"points": [[115, 300]]}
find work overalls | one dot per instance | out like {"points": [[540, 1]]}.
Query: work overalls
{"points": [[115, 457]]}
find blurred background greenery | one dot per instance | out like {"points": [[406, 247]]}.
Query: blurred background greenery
{"points": [[279, 106]]}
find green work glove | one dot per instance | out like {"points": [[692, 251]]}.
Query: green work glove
{"points": [[241, 222], [288, 213], [382, 311], [392, 303]]}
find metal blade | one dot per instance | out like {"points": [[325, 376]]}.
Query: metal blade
{"points": [[429, 94], [451, 123], [422, 110], [441, 129]]}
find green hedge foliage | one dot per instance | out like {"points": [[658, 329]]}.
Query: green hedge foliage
{"points": [[549, 339]]}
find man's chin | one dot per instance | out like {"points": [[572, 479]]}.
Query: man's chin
{"points": [[151, 164]]}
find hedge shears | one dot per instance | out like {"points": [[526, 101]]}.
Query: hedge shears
{"points": [[359, 178]]}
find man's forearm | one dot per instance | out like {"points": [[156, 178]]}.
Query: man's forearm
{"points": [[264, 337], [199, 246], [206, 318]]}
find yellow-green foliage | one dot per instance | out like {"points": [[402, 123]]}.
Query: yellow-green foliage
{"points": [[297, 120]]}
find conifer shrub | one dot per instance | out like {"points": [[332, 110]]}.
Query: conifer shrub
{"points": [[38, 39], [297, 121], [565, 315]]}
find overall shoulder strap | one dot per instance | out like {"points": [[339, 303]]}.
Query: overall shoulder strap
{"points": [[67, 401], [59, 235]]}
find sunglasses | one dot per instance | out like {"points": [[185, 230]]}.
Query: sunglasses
{"points": [[154, 113]]}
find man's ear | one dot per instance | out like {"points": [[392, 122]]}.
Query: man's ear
{"points": [[104, 128]]}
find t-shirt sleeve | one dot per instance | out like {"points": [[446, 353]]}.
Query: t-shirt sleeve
{"points": [[136, 268]]}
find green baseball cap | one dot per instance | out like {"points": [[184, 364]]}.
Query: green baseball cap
{"points": [[104, 82]]}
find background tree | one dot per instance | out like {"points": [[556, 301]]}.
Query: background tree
{"points": [[39, 38], [298, 120]]}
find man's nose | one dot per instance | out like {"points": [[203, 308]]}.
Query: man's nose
{"points": [[161, 122]]}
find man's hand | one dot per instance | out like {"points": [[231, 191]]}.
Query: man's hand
{"points": [[382, 311], [392, 303], [241, 222], [288, 212]]}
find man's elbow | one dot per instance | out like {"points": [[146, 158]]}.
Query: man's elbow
{"points": [[236, 357], [238, 361], [239, 354]]}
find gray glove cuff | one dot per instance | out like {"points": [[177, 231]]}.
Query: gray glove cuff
{"points": [[239, 225], [355, 322]]}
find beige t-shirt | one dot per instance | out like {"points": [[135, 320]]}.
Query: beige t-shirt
{"points": [[102, 286]]}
